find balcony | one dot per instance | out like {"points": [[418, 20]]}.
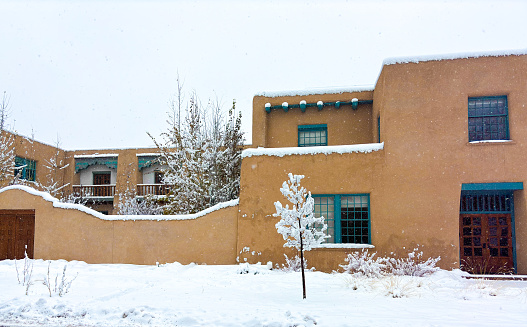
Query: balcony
{"points": [[94, 191], [152, 189]]}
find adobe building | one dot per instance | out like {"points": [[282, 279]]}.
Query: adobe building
{"points": [[431, 157], [95, 176]]}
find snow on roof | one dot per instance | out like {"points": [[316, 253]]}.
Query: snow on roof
{"points": [[96, 155], [451, 56], [338, 90], [73, 206], [341, 149]]}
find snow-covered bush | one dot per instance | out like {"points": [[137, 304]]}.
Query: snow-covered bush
{"points": [[363, 263], [62, 286], [292, 264], [413, 265], [398, 286], [24, 277], [130, 204]]}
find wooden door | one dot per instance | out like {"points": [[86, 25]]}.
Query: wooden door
{"points": [[486, 243], [17, 233]]}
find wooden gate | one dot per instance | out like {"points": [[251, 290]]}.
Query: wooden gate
{"points": [[486, 243], [17, 233]]}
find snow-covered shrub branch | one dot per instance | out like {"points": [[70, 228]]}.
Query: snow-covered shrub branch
{"points": [[7, 157], [365, 264]]}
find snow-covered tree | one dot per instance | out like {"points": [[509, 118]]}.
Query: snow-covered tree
{"points": [[7, 149], [7, 157], [298, 225], [202, 153], [55, 165]]}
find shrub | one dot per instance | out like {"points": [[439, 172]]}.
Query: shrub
{"points": [[365, 264]]}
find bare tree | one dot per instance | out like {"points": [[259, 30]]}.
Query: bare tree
{"points": [[7, 150], [4, 111]]}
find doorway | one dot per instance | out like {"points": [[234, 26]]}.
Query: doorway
{"points": [[17, 234], [486, 229]]}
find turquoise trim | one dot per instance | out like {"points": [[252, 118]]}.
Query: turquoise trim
{"points": [[303, 106], [492, 186], [337, 213], [147, 161], [308, 127], [337, 203], [83, 163], [513, 236]]}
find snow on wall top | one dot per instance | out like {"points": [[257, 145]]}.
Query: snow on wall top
{"points": [[341, 149], [97, 155], [339, 90], [451, 56], [73, 206]]}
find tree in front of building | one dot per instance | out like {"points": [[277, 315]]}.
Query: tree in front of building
{"points": [[299, 226], [7, 149], [202, 155]]}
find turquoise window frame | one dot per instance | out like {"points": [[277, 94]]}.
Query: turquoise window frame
{"points": [[305, 139], [26, 169], [488, 118], [335, 223], [497, 189]]}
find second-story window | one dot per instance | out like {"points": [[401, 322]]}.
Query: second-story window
{"points": [[25, 169], [488, 118], [158, 177], [312, 135], [102, 178]]}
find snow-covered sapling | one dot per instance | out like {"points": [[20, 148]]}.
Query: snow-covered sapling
{"points": [[298, 225]]}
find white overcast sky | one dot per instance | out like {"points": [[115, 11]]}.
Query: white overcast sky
{"points": [[100, 74]]}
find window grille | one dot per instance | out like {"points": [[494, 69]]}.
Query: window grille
{"points": [[312, 135], [488, 118]]}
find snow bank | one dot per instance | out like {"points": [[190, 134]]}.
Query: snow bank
{"points": [[341, 149], [338, 90], [73, 206], [451, 56]]}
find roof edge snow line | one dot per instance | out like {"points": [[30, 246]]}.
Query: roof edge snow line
{"points": [[354, 103], [315, 91], [452, 56], [311, 150], [57, 204]]}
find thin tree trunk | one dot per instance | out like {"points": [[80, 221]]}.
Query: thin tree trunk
{"points": [[302, 262]]}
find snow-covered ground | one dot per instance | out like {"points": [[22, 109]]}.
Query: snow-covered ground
{"points": [[199, 295]]}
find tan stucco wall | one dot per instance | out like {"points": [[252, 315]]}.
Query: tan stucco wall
{"points": [[42, 154], [280, 129], [415, 182], [75, 235]]}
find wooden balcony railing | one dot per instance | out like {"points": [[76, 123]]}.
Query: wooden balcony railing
{"points": [[152, 189], [94, 191]]}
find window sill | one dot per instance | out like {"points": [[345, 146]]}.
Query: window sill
{"points": [[492, 142], [344, 246]]}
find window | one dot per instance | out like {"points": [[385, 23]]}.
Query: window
{"points": [[25, 169], [488, 118], [102, 178], [158, 177], [312, 135], [347, 217]]}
